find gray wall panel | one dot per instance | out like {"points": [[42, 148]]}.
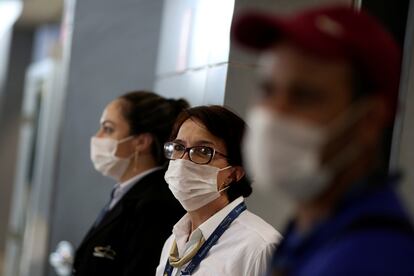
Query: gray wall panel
{"points": [[114, 50]]}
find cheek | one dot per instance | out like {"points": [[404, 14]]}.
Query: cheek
{"points": [[221, 177], [124, 150], [335, 146]]}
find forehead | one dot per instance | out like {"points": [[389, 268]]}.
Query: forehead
{"points": [[113, 112], [303, 85], [286, 61], [192, 132]]}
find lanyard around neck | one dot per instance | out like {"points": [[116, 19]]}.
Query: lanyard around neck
{"points": [[205, 248]]}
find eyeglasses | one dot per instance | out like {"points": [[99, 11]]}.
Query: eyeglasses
{"points": [[198, 154]]}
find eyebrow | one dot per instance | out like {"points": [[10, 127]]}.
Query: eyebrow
{"points": [[197, 143], [179, 141], [204, 142], [107, 121]]}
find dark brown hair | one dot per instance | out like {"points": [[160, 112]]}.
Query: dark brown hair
{"points": [[147, 112], [227, 126]]}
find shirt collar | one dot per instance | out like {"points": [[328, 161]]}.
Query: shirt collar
{"points": [[208, 227], [120, 189], [136, 178], [183, 227], [180, 231]]}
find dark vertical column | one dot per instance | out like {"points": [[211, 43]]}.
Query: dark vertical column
{"points": [[19, 58], [393, 15], [402, 149]]}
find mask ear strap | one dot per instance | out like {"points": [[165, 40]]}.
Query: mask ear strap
{"points": [[126, 139], [225, 188], [225, 168], [228, 184]]}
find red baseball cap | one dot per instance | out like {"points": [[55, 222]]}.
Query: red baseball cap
{"points": [[332, 32]]}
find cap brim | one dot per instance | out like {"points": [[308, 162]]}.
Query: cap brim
{"points": [[259, 31]]}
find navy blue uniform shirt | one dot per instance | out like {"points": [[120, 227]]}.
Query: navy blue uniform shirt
{"points": [[369, 234]]}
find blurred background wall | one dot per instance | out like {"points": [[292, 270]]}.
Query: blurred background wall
{"points": [[63, 61], [113, 50], [15, 54]]}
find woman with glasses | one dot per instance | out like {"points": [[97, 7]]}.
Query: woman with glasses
{"points": [[217, 236], [127, 236]]}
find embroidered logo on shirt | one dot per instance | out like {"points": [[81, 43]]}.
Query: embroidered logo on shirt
{"points": [[104, 252]]}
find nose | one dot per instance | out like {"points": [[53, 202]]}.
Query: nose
{"points": [[99, 133], [279, 103], [186, 155]]}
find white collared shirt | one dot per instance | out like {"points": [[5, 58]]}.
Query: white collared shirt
{"points": [[244, 249], [122, 188]]}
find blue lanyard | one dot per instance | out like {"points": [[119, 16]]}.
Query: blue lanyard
{"points": [[205, 248]]}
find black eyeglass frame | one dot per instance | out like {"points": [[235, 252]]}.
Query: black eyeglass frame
{"points": [[188, 150]]}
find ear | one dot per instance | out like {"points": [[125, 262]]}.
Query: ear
{"points": [[237, 174], [374, 122], [143, 142]]}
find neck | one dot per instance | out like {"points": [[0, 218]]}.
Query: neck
{"points": [[308, 214], [144, 163], [202, 214]]}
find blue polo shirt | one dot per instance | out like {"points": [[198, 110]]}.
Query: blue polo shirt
{"points": [[368, 234]]}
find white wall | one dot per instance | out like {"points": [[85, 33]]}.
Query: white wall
{"points": [[194, 50], [402, 156]]}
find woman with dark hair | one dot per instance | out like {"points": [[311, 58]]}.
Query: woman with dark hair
{"points": [[127, 236], [217, 236]]}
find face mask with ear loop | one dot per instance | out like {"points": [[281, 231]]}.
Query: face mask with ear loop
{"points": [[103, 156], [284, 153], [193, 185]]}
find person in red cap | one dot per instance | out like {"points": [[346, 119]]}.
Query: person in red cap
{"points": [[329, 90]]}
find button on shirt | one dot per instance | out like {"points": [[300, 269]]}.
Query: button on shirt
{"points": [[245, 248], [120, 189]]}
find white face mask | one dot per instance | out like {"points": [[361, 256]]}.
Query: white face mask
{"points": [[192, 184], [103, 157], [281, 152]]}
